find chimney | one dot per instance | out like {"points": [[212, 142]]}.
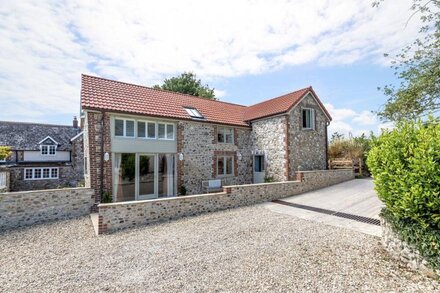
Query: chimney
{"points": [[75, 122]]}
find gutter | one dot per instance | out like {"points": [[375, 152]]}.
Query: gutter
{"points": [[101, 187]]}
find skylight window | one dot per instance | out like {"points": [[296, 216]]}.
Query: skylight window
{"points": [[194, 113]]}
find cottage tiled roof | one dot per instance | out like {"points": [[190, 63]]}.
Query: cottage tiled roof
{"points": [[109, 95], [279, 105], [26, 136], [103, 94]]}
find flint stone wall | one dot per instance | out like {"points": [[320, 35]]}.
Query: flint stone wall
{"points": [[26, 208], [404, 252], [199, 146], [115, 216]]}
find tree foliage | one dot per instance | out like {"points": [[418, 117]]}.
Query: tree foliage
{"points": [[187, 83], [418, 68], [5, 152], [349, 148]]}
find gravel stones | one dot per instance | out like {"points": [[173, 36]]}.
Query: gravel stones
{"points": [[245, 249]]}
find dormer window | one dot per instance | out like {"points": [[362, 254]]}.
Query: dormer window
{"points": [[48, 146], [48, 150], [194, 113]]}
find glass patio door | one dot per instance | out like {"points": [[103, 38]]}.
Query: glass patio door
{"points": [[146, 177]]}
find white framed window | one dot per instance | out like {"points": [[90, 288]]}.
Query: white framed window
{"points": [[146, 129], [225, 135], [225, 165], [48, 150], [41, 173], [165, 131], [193, 112], [124, 127], [308, 118]]}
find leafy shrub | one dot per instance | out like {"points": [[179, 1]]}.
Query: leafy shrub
{"points": [[5, 152], [269, 179], [182, 190], [106, 197], [405, 164]]}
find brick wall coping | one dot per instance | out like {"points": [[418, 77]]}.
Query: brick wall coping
{"points": [[326, 171], [123, 203], [18, 193]]}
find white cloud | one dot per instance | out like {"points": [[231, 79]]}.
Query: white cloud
{"points": [[347, 121], [219, 93], [385, 126], [339, 113], [47, 44], [365, 118]]}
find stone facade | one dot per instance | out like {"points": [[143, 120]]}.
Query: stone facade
{"points": [[307, 148], [26, 208], [70, 174], [122, 215], [198, 142], [269, 137], [404, 252]]}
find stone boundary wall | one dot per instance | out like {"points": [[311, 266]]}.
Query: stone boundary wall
{"points": [[115, 216], [18, 209], [404, 252]]}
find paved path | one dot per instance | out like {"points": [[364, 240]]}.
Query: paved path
{"points": [[355, 197]]}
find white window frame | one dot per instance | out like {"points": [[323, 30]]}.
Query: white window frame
{"points": [[146, 129], [224, 167], [124, 129], [41, 173], [166, 132], [312, 118], [222, 129], [48, 150], [194, 113]]}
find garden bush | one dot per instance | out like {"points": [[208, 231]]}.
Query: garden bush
{"points": [[405, 164]]}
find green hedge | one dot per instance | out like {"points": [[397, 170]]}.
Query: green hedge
{"points": [[405, 165]]}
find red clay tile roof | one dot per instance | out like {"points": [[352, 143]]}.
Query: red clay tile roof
{"points": [[104, 94], [279, 105]]}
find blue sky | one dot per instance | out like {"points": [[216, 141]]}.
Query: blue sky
{"points": [[249, 50]]}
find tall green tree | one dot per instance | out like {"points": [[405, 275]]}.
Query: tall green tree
{"points": [[187, 83], [418, 68], [5, 152]]}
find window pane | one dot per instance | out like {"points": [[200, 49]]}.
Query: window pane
{"points": [[306, 118], [119, 127], [124, 179], [28, 174], [228, 137], [151, 130], [228, 165], [170, 131], [220, 166], [44, 150], [141, 129], [129, 128], [52, 150], [161, 130], [220, 136], [166, 175], [54, 173], [37, 173], [146, 174], [46, 173]]}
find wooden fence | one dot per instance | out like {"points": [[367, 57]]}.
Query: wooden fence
{"points": [[356, 164]]}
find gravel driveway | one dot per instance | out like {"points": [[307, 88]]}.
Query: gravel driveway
{"points": [[246, 249]]}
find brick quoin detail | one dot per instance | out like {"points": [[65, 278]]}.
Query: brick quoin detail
{"points": [[180, 164], [286, 146], [95, 153]]}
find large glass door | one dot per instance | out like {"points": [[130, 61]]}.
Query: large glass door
{"points": [[147, 177]]}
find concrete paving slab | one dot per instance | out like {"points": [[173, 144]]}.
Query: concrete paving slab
{"points": [[355, 197]]}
